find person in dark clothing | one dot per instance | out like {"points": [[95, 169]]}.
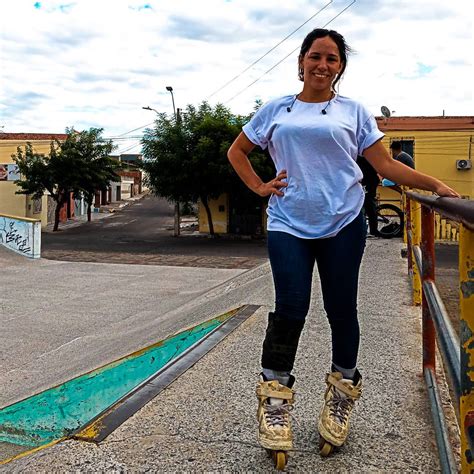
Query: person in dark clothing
{"points": [[370, 181], [401, 156]]}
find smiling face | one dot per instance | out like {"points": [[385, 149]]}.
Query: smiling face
{"points": [[320, 65]]}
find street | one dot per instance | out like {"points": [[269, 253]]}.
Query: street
{"points": [[142, 234], [62, 319], [86, 314]]}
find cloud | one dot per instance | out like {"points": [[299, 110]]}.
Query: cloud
{"points": [[422, 70], [90, 77], [69, 38], [196, 30], [145, 6], [87, 66], [18, 103]]}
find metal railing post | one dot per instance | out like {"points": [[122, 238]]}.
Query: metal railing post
{"points": [[405, 205], [428, 273], [408, 234], [466, 295], [415, 212]]}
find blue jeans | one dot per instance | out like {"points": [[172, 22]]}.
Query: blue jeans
{"points": [[292, 260]]}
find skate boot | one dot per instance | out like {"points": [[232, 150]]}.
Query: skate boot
{"points": [[275, 401], [333, 425]]}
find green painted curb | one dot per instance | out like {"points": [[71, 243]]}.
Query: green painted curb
{"points": [[60, 411]]}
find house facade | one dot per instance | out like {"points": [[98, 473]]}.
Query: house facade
{"points": [[21, 205], [440, 146], [129, 183]]}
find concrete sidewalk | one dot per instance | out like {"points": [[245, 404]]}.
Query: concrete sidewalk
{"points": [[205, 420]]}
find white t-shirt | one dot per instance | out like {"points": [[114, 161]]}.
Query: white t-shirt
{"points": [[319, 152]]}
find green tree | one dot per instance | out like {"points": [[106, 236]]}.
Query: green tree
{"points": [[77, 165], [185, 159], [95, 168]]}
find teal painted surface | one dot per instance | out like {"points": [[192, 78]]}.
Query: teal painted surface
{"points": [[59, 411]]}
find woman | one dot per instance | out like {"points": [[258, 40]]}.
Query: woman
{"points": [[314, 215]]}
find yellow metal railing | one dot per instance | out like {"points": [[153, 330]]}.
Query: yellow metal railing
{"points": [[457, 350]]}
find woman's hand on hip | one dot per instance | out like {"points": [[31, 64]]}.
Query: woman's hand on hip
{"points": [[274, 186]]}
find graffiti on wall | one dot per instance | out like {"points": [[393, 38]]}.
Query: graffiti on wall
{"points": [[19, 236]]}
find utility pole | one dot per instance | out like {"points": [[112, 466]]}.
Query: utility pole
{"points": [[176, 206]]}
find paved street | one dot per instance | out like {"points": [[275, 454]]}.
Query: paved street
{"points": [[61, 319], [141, 234], [64, 318]]}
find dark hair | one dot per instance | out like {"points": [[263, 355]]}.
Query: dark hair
{"points": [[342, 46], [396, 145]]}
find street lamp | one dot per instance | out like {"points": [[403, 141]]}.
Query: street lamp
{"points": [[176, 206], [149, 108], [170, 90]]}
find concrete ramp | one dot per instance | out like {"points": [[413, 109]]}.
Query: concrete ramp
{"points": [[79, 407]]}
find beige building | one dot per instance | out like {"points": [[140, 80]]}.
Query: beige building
{"points": [[20, 205]]}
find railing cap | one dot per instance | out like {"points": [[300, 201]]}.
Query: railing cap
{"points": [[456, 209]]}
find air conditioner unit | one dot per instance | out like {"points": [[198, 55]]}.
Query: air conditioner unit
{"points": [[463, 164]]}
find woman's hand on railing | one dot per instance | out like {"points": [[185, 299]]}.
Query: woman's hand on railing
{"points": [[443, 190]]}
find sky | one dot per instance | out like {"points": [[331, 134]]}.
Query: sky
{"points": [[96, 63]]}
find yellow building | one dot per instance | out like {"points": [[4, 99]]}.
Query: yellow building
{"points": [[20, 205], [241, 212], [440, 146]]}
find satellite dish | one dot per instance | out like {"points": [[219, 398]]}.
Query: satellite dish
{"points": [[385, 111]]}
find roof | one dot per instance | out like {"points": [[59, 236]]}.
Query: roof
{"points": [[425, 123], [32, 136]]}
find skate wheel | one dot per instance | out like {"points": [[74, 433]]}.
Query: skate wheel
{"points": [[280, 458], [325, 448]]}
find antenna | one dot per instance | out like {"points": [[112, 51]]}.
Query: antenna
{"points": [[385, 111]]}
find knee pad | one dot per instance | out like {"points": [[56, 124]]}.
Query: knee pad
{"points": [[281, 342]]}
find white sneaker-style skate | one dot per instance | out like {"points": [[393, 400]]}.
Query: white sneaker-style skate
{"points": [[275, 401], [339, 399]]}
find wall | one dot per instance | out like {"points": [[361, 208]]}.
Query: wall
{"points": [[219, 213], [11, 203], [23, 236], [113, 187], [126, 187], [131, 183], [438, 143], [19, 204]]}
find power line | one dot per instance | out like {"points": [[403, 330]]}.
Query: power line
{"points": [[120, 152], [135, 129], [287, 56], [270, 50]]}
